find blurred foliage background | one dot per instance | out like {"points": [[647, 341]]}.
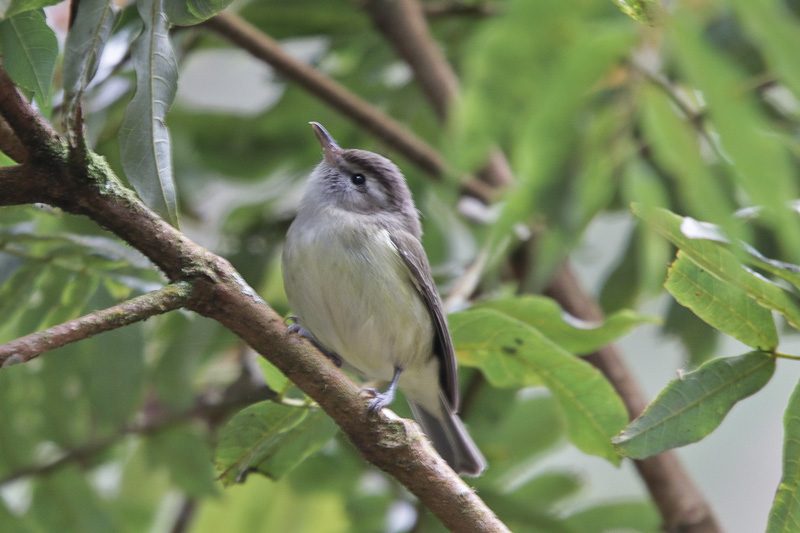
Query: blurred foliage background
{"points": [[693, 107]]}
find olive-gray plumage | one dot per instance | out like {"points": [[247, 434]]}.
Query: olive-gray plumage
{"points": [[359, 282]]}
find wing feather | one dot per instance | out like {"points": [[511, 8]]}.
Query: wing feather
{"points": [[415, 259]]}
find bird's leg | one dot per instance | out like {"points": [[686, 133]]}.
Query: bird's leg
{"points": [[382, 399], [295, 327]]}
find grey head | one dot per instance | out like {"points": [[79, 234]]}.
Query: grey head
{"points": [[363, 183]]}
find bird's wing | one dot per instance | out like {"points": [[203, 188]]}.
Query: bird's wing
{"points": [[415, 259]]}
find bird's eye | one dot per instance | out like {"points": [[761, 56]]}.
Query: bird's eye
{"points": [[358, 179]]}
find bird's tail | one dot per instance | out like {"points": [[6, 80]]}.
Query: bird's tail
{"points": [[451, 440]]}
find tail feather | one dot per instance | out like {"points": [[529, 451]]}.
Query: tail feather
{"points": [[451, 440]]}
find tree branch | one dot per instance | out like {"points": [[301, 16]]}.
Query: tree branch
{"points": [[395, 445], [329, 91], [450, 8], [28, 125], [403, 24], [682, 506], [135, 310], [156, 421], [250, 38]]}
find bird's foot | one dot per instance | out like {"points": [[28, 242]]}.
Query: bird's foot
{"points": [[384, 399], [296, 328]]}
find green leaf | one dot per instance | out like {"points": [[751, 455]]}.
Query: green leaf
{"points": [[713, 257], [722, 305], [775, 29], [784, 517], [19, 6], [64, 501], [144, 137], [692, 406], [271, 439], [571, 333], [187, 457], [188, 13], [550, 127], [676, 148], [29, 49], [645, 11], [513, 353], [623, 516], [85, 43], [752, 148]]}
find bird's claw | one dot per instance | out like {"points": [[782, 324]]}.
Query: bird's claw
{"points": [[296, 328]]}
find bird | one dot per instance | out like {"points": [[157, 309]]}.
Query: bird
{"points": [[361, 289]]}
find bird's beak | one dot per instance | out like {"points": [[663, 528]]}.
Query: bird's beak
{"points": [[330, 149]]}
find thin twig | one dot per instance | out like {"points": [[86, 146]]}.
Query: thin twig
{"points": [[134, 310], [367, 116], [158, 420], [455, 8], [260, 45]]}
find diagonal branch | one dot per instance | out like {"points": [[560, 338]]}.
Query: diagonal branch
{"points": [[156, 421], [395, 445], [134, 310], [682, 506], [331, 92]]}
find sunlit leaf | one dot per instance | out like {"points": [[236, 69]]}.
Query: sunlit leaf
{"points": [[722, 305], [692, 406], [571, 333], [512, 353], [144, 137], [12, 7], [29, 50], [645, 11], [713, 257]]}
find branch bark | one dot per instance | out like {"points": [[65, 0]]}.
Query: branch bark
{"points": [[135, 310], [395, 445], [681, 504]]}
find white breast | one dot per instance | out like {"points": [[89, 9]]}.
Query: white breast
{"points": [[349, 286]]}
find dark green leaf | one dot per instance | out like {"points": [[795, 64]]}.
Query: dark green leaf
{"points": [[271, 439], [144, 137], [64, 501], [692, 406], [186, 456], [29, 50], [85, 43], [512, 353]]}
